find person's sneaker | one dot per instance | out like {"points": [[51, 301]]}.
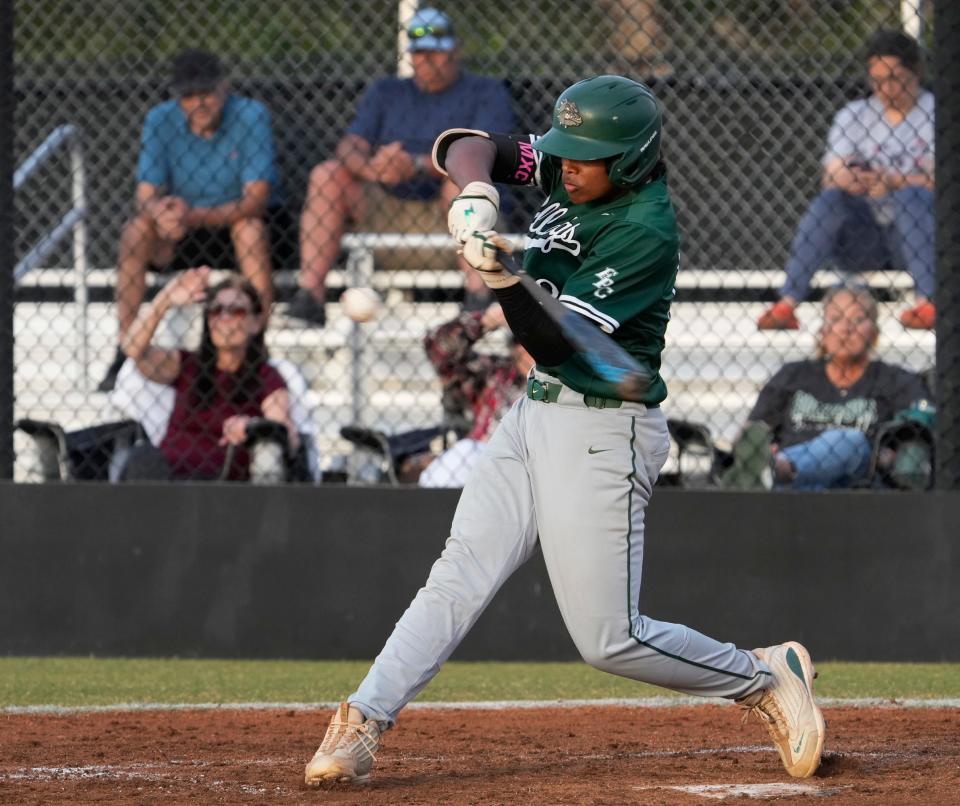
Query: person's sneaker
{"points": [[308, 308], [347, 752], [920, 317], [788, 708], [778, 317], [110, 379], [752, 467]]}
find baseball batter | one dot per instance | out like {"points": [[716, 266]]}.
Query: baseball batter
{"points": [[571, 468]]}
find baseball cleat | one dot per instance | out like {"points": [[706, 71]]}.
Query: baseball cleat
{"points": [[347, 752], [788, 708]]}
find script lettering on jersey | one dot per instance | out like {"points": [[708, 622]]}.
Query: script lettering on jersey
{"points": [[546, 235], [604, 284], [526, 163]]}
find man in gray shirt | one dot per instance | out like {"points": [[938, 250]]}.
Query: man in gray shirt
{"points": [[876, 203]]}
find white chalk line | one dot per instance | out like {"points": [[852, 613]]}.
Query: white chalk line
{"points": [[741, 749], [143, 772], [479, 705]]}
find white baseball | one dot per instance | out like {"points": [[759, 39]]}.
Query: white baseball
{"points": [[360, 304]]}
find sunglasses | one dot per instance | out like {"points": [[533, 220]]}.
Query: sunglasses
{"points": [[421, 31], [233, 311]]}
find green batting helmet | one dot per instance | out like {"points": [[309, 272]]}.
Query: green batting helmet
{"points": [[607, 117]]}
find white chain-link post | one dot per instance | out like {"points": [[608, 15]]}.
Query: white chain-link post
{"points": [[81, 296], [911, 17], [405, 11]]}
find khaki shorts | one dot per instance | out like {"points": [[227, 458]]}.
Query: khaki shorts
{"points": [[386, 213]]}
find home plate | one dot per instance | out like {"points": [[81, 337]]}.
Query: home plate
{"points": [[760, 791]]}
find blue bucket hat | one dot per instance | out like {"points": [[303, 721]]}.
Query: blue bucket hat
{"points": [[430, 29]]}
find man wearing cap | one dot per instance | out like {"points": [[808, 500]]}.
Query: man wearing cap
{"points": [[382, 174], [206, 188]]}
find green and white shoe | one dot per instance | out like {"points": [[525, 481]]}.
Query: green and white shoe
{"points": [[788, 708]]}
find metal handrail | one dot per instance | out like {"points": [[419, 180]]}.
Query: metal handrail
{"points": [[42, 153], [74, 220]]}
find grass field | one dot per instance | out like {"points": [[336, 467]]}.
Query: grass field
{"points": [[109, 681]]}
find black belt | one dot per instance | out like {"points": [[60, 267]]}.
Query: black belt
{"points": [[547, 392]]}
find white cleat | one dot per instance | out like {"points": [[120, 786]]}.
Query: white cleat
{"points": [[788, 708], [347, 752]]}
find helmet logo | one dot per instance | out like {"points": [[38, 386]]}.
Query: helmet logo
{"points": [[649, 140], [568, 114]]}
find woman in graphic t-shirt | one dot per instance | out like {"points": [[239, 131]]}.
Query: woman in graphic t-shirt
{"points": [[822, 414]]}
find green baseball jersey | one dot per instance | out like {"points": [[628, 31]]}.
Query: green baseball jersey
{"points": [[615, 262]]}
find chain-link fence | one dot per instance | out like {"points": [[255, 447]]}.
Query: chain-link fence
{"points": [[106, 129]]}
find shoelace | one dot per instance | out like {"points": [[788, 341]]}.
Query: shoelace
{"points": [[357, 737], [335, 731], [767, 711]]}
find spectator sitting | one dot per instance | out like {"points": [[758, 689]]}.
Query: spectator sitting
{"points": [[383, 174], [206, 189], [817, 419], [218, 389], [876, 205], [481, 385], [639, 37]]}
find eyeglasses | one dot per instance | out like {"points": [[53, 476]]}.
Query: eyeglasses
{"points": [[194, 94], [420, 31], [233, 311]]}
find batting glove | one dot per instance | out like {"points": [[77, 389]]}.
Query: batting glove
{"points": [[482, 251], [476, 208]]}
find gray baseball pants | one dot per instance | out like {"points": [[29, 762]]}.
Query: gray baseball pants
{"points": [[576, 480]]}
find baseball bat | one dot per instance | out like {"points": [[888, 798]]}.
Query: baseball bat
{"points": [[607, 358]]}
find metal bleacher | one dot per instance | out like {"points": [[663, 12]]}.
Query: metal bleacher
{"points": [[377, 374]]}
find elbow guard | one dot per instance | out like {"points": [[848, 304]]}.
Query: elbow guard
{"points": [[516, 162]]}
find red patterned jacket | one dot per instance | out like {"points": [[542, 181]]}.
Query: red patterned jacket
{"points": [[482, 384]]}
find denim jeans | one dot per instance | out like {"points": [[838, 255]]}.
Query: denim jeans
{"points": [[843, 228], [838, 457]]}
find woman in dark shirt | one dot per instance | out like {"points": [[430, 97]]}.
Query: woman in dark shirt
{"points": [[822, 414], [220, 387]]}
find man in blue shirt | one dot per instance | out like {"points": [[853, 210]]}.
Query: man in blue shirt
{"points": [[206, 188], [382, 175]]}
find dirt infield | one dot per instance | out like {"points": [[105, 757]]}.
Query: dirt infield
{"points": [[590, 755]]}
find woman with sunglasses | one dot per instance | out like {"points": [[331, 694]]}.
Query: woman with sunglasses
{"points": [[876, 204], [815, 422], [219, 388]]}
